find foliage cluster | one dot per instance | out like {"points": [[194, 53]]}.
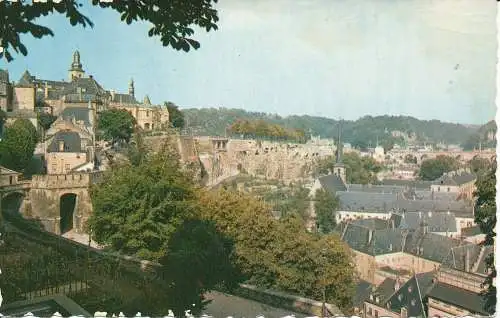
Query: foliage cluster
{"points": [[360, 133], [264, 129], [485, 216], [116, 125], [152, 209], [18, 145], [325, 206], [175, 116], [432, 169], [359, 170]]}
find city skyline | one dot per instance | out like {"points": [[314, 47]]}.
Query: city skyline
{"points": [[440, 64]]}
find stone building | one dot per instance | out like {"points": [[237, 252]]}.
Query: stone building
{"points": [[460, 182], [72, 98], [65, 153]]}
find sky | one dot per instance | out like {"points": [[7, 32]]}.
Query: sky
{"points": [[430, 59]]}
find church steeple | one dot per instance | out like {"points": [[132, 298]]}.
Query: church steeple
{"points": [[131, 90], [76, 70], [338, 167]]}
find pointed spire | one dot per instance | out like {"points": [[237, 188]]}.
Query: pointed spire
{"points": [[146, 100], [131, 90], [339, 144], [76, 65]]}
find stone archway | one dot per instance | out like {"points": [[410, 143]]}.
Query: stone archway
{"points": [[146, 126], [11, 203], [67, 209]]}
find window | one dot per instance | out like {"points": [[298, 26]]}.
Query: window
{"points": [[66, 166], [147, 113], [54, 167], [370, 311], [11, 179], [376, 313], [448, 189], [413, 302], [439, 189]]}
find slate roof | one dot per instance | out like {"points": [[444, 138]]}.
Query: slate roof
{"points": [[458, 207], [435, 221], [26, 79], [79, 113], [456, 179], [123, 98], [459, 297], [374, 224], [362, 293], [85, 89], [434, 195], [382, 241], [72, 142], [385, 290], [457, 255], [431, 246], [332, 183], [411, 295], [375, 188], [416, 184], [366, 201]]}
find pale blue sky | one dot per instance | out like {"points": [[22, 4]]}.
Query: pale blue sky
{"points": [[432, 59]]}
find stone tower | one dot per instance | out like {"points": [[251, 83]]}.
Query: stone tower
{"points": [[131, 90], [339, 167], [76, 70]]}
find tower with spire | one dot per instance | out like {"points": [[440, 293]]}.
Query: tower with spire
{"points": [[131, 90], [76, 70], [339, 167]]}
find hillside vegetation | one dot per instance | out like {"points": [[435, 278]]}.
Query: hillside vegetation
{"points": [[360, 133]]}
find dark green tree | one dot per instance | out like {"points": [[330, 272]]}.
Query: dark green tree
{"points": [[116, 125], [149, 210], [432, 169], [485, 216], [18, 145], [46, 120], [409, 158], [479, 165], [175, 116], [359, 170], [325, 206], [171, 21]]}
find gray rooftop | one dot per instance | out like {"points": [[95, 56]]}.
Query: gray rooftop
{"points": [[375, 188], [455, 179], [4, 76], [435, 221], [123, 98], [72, 142], [458, 207], [416, 184], [366, 201], [430, 246], [457, 255], [411, 295], [459, 297], [373, 242], [332, 183], [78, 113]]}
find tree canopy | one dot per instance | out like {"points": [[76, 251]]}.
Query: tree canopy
{"points": [[280, 254], [175, 116], [171, 21], [485, 216], [264, 129], [325, 206], [432, 169], [359, 170], [116, 125], [148, 209], [46, 120], [18, 145]]}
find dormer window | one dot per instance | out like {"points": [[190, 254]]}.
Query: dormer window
{"points": [[61, 145]]}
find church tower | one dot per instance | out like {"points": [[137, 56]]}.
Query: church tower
{"points": [[76, 70], [131, 90], [339, 167]]}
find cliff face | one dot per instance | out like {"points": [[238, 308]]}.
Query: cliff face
{"points": [[224, 158]]}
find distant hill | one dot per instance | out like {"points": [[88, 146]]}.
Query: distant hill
{"points": [[484, 136], [361, 133]]}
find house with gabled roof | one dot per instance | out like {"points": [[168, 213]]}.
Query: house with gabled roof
{"points": [[404, 300], [461, 182], [458, 287]]}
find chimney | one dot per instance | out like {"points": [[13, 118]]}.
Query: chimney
{"points": [[370, 236], [467, 259], [61, 145]]}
